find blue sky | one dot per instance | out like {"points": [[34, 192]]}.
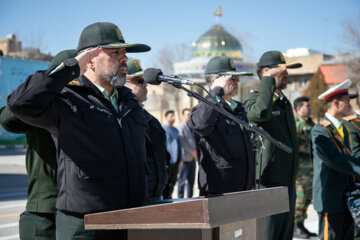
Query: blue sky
{"points": [[266, 25]]}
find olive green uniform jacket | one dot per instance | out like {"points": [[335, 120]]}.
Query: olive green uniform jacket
{"points": [[274, 114], [333, 168], [41, 163]]}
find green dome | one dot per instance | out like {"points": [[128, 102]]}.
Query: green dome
{"points": [[217, 42]]}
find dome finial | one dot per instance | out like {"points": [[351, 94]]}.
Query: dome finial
{"points": [[218, 13]]}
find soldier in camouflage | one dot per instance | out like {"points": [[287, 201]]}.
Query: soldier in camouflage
{"points": [[305, 173]]}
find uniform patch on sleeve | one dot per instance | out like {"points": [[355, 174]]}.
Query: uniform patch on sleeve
{"points": [[74, 82], [325, 123]]}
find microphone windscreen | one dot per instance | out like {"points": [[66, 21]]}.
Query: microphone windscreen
{"points": [[150, 76]]}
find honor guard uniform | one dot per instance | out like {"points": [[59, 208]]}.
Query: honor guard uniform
{"points": [[269, 109], [353, 124], [334, 165]]}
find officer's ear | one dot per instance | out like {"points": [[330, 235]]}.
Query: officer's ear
{"points": [[298, 108], [212, 80]]}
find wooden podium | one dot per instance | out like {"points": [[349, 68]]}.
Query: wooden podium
{"points": [[237, 215]]}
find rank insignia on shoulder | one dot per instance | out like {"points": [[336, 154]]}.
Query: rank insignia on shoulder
{"points": [[350, 118], [254, 90], [325, 123], [74, 82]]}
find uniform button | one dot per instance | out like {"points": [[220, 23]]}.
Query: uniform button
{"points": [[73, 73]]}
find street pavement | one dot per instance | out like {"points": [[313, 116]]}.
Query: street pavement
{"points": [[13, 183]]}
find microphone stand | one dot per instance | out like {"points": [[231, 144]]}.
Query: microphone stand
{"points": [[260, 133]]}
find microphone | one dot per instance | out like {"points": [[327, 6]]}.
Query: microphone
{"points": [[155, 76]]}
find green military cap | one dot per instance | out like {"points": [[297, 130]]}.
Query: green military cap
{"points": [[223, 65], [62, 56], [107, 35], [275, 59], [133, 68]]}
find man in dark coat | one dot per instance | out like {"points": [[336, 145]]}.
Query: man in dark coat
{"points": [[226, 157], [269, 109], [155, 137], [98, 128]]}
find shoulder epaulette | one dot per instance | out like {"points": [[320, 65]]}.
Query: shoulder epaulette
{"points": [[325, 123], [254, 90], [350, 118], [74, 82]]}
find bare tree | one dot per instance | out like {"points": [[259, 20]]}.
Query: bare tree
{"points": [[245, 40], [352, 33], [316, 87], [352, 38], [165, 59], [168, 55]]}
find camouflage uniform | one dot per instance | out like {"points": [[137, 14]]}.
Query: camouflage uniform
{"points": [[305, 173]]}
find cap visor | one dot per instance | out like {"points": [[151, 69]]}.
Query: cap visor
{"points": [[130, 47], [137, 74], [291, 65], [237, 73], [353, 95]]}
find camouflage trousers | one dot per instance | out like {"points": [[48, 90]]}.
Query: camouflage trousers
{"points": [[304, 180]]}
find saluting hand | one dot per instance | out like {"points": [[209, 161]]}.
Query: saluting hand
{"points": [[220, 82], [85, 57], [274, 72], [280, 75]]}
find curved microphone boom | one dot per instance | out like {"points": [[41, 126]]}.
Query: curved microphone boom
{"points": [[155, 76]]}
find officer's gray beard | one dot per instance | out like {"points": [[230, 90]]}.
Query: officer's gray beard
{"points": [[118, 81], [115, 79]]}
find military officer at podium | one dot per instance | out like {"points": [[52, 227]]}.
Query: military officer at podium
{"points": [[226, 157], [98, 129], [334, 165], [269, 109]]}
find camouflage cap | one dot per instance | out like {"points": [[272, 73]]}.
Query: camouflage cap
{"points": [[273, 59], [133, 68], [107, 35], [224, 65], [62, 56]]}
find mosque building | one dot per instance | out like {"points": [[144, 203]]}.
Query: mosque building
{"points": [[216, 41]]}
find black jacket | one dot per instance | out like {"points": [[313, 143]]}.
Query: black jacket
{"points": [[155, 157], [100, 153], [226, 158]]}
